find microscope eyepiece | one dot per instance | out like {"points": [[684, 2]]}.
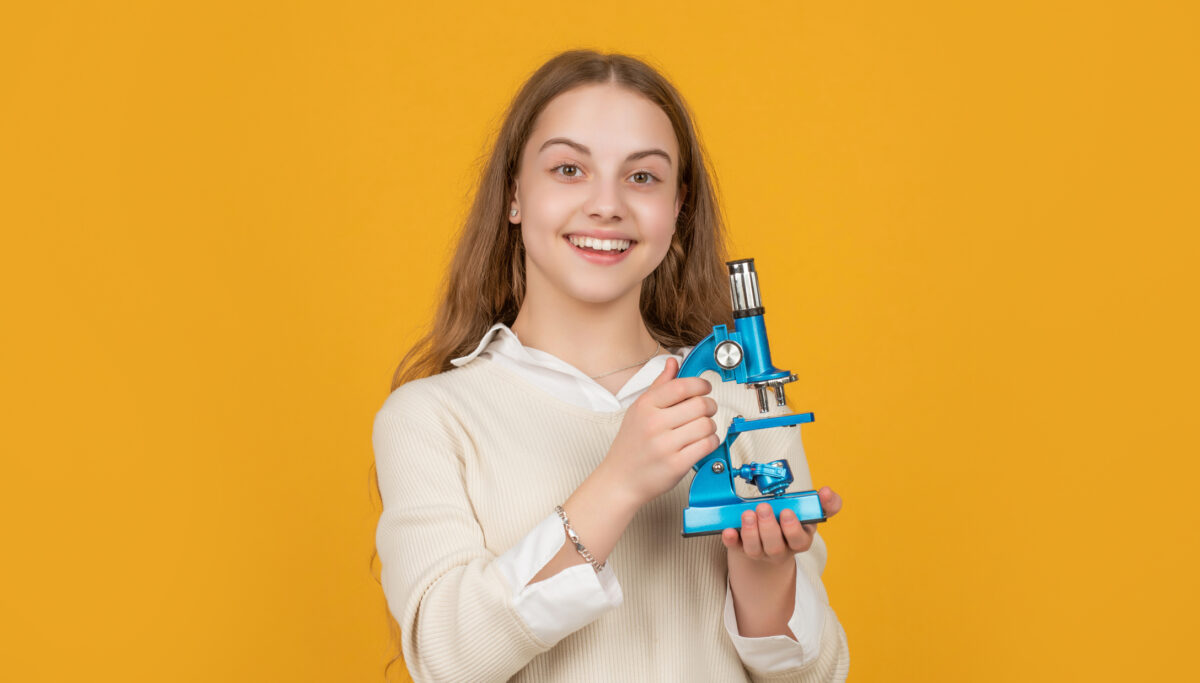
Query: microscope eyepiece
{"points": [[743, 288]]}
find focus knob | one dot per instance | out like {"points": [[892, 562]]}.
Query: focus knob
{"points": [[728, 354]]}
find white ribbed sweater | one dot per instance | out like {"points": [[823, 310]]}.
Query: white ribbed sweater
{"points": [[471, 459]]}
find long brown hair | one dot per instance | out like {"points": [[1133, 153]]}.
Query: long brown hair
{"points": [[681, 300]]}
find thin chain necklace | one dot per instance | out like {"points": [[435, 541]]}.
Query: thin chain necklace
{"points": [[657, 346]]}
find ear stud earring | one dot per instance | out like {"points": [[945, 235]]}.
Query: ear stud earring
{"points": [[513, 212]]}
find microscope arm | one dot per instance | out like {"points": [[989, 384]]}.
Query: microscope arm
{"points": [[695, 363]]}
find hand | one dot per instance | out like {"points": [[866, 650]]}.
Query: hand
{"points": [[667, 430], [767, 543]]}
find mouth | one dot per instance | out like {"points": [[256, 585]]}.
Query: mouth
{"points": [[596, 253]]}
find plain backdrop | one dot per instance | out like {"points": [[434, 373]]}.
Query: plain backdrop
{"points": [[224, 222]]}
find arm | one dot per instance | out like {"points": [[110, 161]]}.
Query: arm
{"points": [[452, 600], [766, 575], [781, 623], [448, 594], [808, 643], [779, 652], [763, 561], [599, 511], [666, 430], [453, 606], [556, 601]]}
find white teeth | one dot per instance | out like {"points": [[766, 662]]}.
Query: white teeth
{"points": [[604, 245]]}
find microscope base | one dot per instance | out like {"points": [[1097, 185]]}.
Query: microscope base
{"points": [[701, 521]]}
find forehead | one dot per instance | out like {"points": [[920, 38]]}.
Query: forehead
{"points": [[610, 120]]}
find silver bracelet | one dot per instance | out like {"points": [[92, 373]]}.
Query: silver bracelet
{"points": [[562, 514]]}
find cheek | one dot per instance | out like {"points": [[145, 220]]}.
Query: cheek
{"points": [[554, 198], [534, 241], [656, 220], [545, 194]]}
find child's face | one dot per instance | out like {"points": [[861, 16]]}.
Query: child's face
{"points": [[562, 190]]}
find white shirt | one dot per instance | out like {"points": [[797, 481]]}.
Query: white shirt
{"points": [[574, 597]]}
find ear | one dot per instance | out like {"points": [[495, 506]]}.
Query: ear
{"points": [[513, 204]]}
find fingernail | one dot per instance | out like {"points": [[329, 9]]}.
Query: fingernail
{"points": [[748, 518], [765, 513]]}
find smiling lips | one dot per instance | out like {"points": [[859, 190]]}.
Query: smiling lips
{"points": [[603, 252], [600, 244]]}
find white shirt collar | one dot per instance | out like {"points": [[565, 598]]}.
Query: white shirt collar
{"points": [[559, 377], [500, 328]]}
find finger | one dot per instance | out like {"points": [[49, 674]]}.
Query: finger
{"points": [[769, 533], [696, 430], [831, 502], [680, 389], [731, 540], [696, 451], [751, 544], [798, 536], [670, 368], [687, 410]]}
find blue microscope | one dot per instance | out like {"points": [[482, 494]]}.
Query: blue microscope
{"points": [[743, 356]]}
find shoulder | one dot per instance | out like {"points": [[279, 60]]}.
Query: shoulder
{"points": [[427, 417], [459, 401], [438, 403], [428, 395]]}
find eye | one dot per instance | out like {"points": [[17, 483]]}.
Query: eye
{"points": [[574, 173], [575, 168]]}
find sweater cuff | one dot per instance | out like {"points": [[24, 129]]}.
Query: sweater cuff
{"points": [[779, 653], [555, 607]]}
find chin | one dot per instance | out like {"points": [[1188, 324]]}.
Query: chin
{"points": [[596, 291], [594, 296]]}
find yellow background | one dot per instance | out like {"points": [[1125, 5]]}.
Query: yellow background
{"points": [[223, 222]]}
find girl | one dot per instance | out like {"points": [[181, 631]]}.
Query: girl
{"points": [[543, 407]]}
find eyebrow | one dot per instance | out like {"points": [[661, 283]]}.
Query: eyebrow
{"points": [[584, 150]]}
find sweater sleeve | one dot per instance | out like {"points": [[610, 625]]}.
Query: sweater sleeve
{"points": [[453, 605]]}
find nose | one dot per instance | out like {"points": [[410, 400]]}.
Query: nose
{"points": [[605, 203]]}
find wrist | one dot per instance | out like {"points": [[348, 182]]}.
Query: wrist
{"points": [[621, 498], [763, 598], [760, 572], [599, 511]]}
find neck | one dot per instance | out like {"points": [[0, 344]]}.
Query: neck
{"points": [[594, 337]]}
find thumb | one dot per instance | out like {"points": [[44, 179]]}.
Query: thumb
{"points": [[669, 370]]}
